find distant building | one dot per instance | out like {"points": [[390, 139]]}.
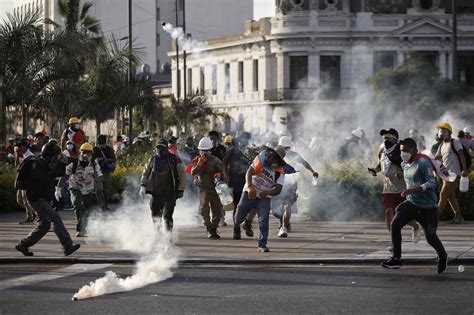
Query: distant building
{"points": [[205, 19], [326, 46]]}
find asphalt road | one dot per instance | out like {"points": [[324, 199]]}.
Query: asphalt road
{"points": [[26, 289]]}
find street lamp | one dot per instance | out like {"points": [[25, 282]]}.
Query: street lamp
{"points": [[130, 72], [455, 43]]}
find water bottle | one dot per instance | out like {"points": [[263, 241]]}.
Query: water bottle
{"points": [[224, 192], [315, 181], [464, 184]]}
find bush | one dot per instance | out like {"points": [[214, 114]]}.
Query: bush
{"points": [[7, 190], [345, 192]]}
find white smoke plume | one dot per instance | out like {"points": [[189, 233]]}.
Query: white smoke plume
{"points": [[187, 44], [131, 228]]}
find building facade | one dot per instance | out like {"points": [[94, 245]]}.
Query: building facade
{"points": [[205, 19], [325, 49]]}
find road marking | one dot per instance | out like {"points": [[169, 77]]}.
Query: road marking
{"points": [[50, 275]]}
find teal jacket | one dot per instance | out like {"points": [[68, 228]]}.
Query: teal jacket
{"points": [[420, 173]]}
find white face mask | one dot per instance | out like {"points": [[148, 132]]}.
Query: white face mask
{"points": [[405, 156], [70, 147]]}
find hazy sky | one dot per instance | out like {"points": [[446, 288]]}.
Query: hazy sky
{"points": [[262, 8]]}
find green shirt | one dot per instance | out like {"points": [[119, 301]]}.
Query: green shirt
{"points": [[205, 174]]}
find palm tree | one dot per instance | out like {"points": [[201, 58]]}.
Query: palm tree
{"points": [[76, 18]]}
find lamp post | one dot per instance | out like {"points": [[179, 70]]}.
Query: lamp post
{"points": [[178, 81], [130, 71]]}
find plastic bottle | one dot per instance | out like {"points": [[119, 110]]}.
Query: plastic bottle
{"points": [[461, 268], [224, 192], [315, 181], [464, 184]]}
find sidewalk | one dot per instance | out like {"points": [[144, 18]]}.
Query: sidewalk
{"points": [[311, 242]]}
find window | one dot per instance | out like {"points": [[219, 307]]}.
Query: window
{"points": [[158, 14], [227, 78], [255, 75], [241, 76], [384, 60], [201, 80], [331, 71], [190, 81], [298, 71], [214, 79]]}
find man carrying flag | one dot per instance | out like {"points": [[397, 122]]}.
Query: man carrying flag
{"points": [[264, 179]]}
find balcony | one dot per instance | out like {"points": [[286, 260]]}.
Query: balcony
{"points": [[275, 95]]}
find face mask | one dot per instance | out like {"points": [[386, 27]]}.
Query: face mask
{"points": [[405, 156], [205, 153], [442, 134], [388, 144], [85, 157], [70, 147]]}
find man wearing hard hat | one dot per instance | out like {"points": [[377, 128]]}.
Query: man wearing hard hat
{"points": [[73, 133], [83, 174], [205, 169], [450, 152]]}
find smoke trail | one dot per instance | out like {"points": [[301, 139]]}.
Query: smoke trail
{"points": [[131, 228], [177, 33]]}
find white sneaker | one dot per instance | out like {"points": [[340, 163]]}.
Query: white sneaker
{"points": [[283, 232], [416, 235]]}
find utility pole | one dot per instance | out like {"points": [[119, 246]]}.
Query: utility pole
{"points": [[130, 71], [184, 51], [178, 81], [455, 44]]}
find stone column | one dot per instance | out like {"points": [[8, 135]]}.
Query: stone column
{"points": [[442, 63], [450, 66], [314, 70], [400, 57], [283, 69]]}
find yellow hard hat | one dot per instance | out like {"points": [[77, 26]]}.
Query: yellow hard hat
{"points": [[73, 120], [86, 147], [228, 139], [445, 125]]}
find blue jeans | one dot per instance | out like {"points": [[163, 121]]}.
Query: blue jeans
{"points": [[262, 205]]}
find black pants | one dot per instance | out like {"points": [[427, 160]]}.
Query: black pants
{"points": [[428, 219], [162, 208]]}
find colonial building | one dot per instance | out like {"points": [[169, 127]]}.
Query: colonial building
{"points": [[325, 49]]}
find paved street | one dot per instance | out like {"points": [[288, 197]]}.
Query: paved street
{"points": [[310, 240], [217, 289]]}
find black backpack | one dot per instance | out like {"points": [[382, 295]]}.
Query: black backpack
{"points": [[21, 180], [467, 156]]}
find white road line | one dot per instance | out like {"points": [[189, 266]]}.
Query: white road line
{"points": [[51, 275]]}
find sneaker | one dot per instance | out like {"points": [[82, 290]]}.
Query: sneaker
{"points": [[79, 234], [27, 221], [392, 263], [283, 232], [23, 249], [442, 263], [222, 222], [263, 249], [457, 221], [416, 235], [209, 233], [237, 233], [215, 235], [68, 251], [248, 229]]}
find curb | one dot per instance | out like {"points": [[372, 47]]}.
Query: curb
{"points": [[231, 261]]}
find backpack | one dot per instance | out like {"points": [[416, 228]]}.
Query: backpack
{"points": [[467, 156], [21, 180]]}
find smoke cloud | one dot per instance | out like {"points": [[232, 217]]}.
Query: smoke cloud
{"points": [[131, 228]]}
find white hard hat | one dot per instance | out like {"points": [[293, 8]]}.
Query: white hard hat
{"points": [[285, 141], [467, 130], [205, 144], [358, 133]]}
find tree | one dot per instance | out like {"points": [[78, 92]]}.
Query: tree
{"points": [[192, 110], [76, 18], [415, 86]]}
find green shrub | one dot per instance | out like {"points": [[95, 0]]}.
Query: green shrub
{"points": [[7, 190]]}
